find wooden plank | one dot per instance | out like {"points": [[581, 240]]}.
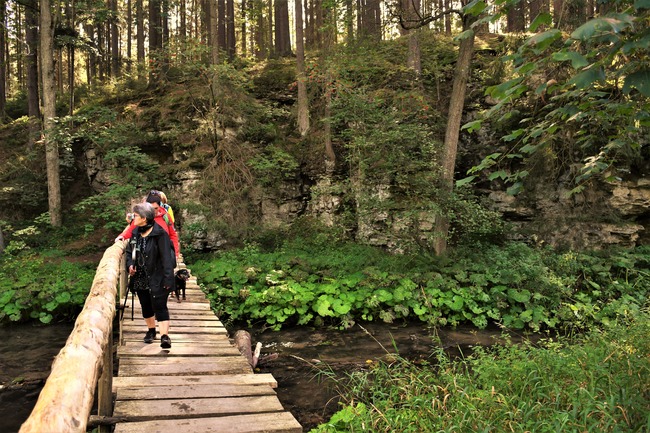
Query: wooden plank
{"points": [[179, 349], [178, 337], [142, 410], [278, 422], [192, 391], [215, 381], [196, 323], [227, 365], [218, 341], [170, 360], [281, 422]]}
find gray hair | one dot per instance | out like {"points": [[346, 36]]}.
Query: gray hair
{"points": [[145, 210]]}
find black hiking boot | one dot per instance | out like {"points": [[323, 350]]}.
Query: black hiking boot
{"points": [[165, 342], [150, 336]]}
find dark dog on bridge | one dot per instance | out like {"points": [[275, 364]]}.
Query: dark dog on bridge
{"points": [[180, 280]]}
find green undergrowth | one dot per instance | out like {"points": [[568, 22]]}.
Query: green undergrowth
{"points": [[599, 382], [514, 285], [35, 287]]}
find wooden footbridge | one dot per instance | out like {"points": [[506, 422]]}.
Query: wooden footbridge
{"points": [[202, 384]]}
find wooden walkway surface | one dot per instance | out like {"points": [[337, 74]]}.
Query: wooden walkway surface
{"points": [[201, 384]]}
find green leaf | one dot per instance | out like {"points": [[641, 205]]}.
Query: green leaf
{"points": [[543, 19], [578, 61], [586, 78], [322, 307], [473, 126], [639, 80], [465, 181], [456, 303], [465, 35], [501, 174], [475, 7], [514, 135], [515, 189], [599, 26], [501, 91], [641, 4], [522, 296], [543, 40]]}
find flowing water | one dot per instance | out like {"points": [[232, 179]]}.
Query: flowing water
{"points": [[294, 357], [26, 355]]}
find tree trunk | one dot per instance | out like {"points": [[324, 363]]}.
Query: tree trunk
{"points": [[516, 21], [349, 21], [49, 112], [244, 15], [303, 100], [270, 29], [214, 32], [115, 42], [221, 27], [282, 39], [454, 118], [129, 34], [31, 66], [70, 14], [3, 57], [231, 42], [139, 24], [155, 41]]}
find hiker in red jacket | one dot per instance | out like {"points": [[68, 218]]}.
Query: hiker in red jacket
{"points": [[162, 218]]}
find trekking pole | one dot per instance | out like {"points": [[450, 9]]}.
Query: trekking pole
{"points": [[124, 306]]}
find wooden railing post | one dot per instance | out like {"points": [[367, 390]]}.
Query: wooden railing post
{"points": [[123, 290], [66, 400], [105, 385]]}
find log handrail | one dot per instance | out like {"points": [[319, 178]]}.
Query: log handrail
{"points": [[66, 400]]}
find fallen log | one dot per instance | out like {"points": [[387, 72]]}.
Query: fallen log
{"points": [[243, 342]]}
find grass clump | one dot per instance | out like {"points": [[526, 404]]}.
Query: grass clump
{"points": [[599, 382]]}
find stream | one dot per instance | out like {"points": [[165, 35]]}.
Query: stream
{"points": [[293, 356]]}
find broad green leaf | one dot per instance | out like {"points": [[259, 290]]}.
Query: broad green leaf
{"points": [[513, 135], [473, 126], [541, 41], [475, 7], [587, 78], [639, 80], [500, 91], [519, 296], [465, 181], [578, 61], [456, 303], [515, 189], [466, 34], [543, 19], [600, 26], [641, 4], [501, 174]]}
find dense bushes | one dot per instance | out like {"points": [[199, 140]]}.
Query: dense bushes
{"points": [[33, 288], [514, 285]]}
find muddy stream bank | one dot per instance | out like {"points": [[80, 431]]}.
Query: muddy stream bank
{"points": [[294, 357]]}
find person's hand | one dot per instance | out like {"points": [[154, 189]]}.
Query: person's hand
{"points": [[132, 270], [120, 238]]}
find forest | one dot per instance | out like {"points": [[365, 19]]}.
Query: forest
{"points": [[330, 163]]}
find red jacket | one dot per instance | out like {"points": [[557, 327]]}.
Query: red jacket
{"points": [[168, 227]]}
